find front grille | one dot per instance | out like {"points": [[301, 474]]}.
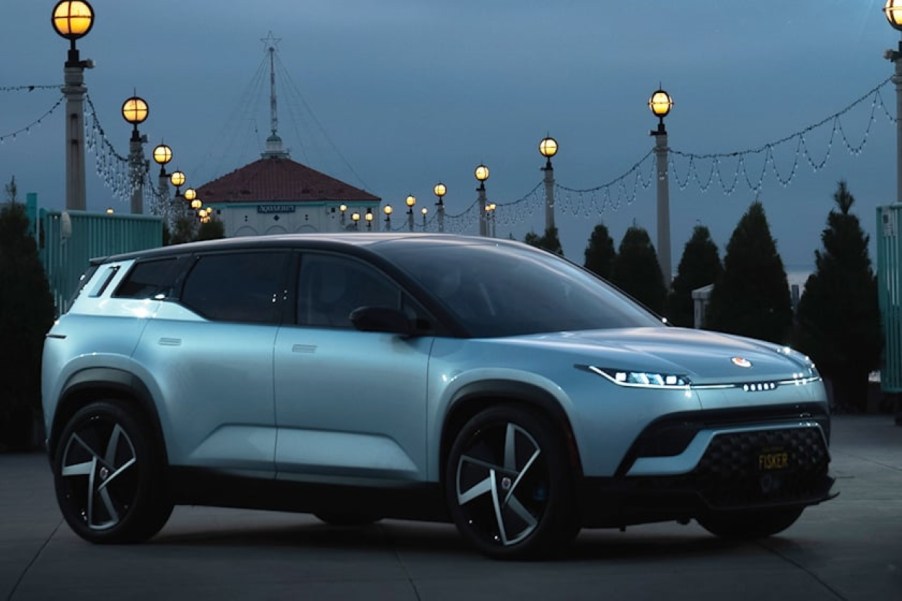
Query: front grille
{"points": [[734, 470]]}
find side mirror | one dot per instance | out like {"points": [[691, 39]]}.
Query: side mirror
{"points": [[381, 319]]}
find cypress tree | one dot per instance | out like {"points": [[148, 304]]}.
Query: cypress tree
{"points": [[636, 270], [548, 241], [752, 296], [26, 313], [838, 315], [699, 266], [600, 253]]}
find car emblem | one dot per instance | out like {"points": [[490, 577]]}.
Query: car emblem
{"points": [[741, 362]]}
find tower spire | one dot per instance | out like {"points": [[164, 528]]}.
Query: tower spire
{"points": [[274, 149]]}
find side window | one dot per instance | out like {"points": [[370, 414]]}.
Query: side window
{"points": [[148, 279], [330, 287], [245, 286]]}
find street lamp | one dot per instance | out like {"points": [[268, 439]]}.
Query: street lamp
{"points": [[190, 195], [73, 20], [410, 201], [355, 217], [440, 190], [162, 154], [134, 111], [424, 210], [893, 12], [387, 210], [369, 219], [490, 218], [482, 174], [177, 179], [342, 208], [660, 104], [548, 148]]}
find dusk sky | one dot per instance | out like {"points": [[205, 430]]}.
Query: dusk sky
{"points": [[412, 92]]}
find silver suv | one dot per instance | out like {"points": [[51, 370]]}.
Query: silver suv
{"points": [[431, 377]]}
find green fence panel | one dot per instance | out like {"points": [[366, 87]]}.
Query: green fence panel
{"points": [[68, 240], [889, 290]]}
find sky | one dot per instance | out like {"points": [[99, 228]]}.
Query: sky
{"points": [[396, 95]]}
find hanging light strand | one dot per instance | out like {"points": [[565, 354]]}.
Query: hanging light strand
{"points": [[706, 169], [27, 129], [31, 88], [113, 168]]}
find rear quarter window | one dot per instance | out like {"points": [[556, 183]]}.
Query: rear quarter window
{"points": [[149, 279]]}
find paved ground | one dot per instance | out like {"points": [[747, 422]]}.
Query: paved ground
{"points": [[850, 548]]}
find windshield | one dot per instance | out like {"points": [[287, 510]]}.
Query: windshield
{"points": [[507, 290]]}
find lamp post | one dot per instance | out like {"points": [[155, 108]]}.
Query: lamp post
{"points": [[387, 210], [410, 201], [440, 190], [424, 211], [162, 154], [355, 217], [548, 148], [135, 111], [660, 104], [73, 20], [893, 12], [482, 174], [342, 208], [369, 219]]}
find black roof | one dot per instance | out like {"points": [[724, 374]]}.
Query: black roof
{"points": [[367, 240]]}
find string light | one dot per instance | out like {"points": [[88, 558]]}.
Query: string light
{"points": [[35, 123], [31, 88]]}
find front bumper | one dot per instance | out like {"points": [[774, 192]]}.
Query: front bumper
{"points": [[687, 465]]}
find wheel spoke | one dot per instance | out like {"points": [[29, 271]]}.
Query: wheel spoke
{"points": [[113, 445], [499, 519], [79, 469], [522, 473], [77, 438], [119, 471], [90, 492], [484, 464], [477, 490], [111, 509], [510, 453], [514, 505]]}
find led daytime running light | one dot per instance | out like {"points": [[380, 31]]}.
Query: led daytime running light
{"points": [[641, 379]]}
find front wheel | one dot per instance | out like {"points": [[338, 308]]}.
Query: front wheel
{"points": [[750, 524], [108, 475], [509, 486]]}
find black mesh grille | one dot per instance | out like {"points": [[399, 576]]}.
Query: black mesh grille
{"points": [[758, 467]]}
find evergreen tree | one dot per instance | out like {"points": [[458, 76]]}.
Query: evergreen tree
{"points": [[838, 315], [600, 253], [26, 313], [752, 296], [636, 270], [211, 230], [182, 230], [548, 241], [699, 266]]}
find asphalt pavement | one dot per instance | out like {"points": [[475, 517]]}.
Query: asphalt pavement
{"points": [[847, 549]]}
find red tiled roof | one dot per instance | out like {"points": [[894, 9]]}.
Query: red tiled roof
{"points": [[279, 180]]}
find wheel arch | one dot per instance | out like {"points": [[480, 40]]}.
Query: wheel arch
{"points": [[97, 383], [477, 396]]}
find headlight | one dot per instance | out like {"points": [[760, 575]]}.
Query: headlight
{"points": [[641, 379]]}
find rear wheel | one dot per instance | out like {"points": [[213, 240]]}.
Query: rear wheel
{"points": [[109, 476], [508, 484], [750, 524]]}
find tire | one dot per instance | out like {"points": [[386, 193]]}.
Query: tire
{"points": [[750, 524], [346, 519], [508, 485], [108, 474]]}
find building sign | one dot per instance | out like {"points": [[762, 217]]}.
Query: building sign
{"points": [[270, 209]]}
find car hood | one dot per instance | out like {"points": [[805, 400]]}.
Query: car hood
{"points": [[706, 357]]}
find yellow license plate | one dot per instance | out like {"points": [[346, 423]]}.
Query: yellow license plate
{"points": [[772, 460]]}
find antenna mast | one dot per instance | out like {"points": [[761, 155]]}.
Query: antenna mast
{"points": [[274, 148]]}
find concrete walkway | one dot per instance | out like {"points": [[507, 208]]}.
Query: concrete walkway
{"points": [[849, 549]]}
